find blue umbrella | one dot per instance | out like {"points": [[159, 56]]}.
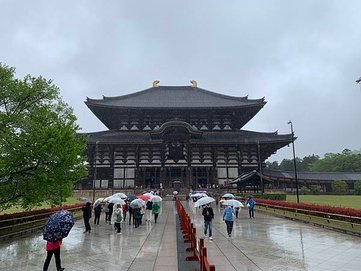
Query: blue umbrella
{"points": [[58, 226]]}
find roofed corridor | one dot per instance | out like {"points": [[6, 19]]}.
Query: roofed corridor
{"points": [[263, 243]]}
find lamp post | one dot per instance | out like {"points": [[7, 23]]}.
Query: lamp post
{"points": [[294, 160], [95, 168], [260, 167]]}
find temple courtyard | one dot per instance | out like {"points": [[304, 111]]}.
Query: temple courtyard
{"points": [[264, 243]]}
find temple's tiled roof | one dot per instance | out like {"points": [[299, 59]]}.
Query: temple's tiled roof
{"points": [[175, 97], [232, 137]]}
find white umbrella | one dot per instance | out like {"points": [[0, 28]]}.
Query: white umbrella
{"points": [[203, 201], [137, 203], [228, 195], [175, 192], [149, 195], [121, 195], [233, 202], [156, 199], [117, 200], [98, 201], [199, 195]]}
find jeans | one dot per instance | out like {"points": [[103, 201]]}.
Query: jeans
{"points": [[251, 212], [208, 226], [229, 225]]}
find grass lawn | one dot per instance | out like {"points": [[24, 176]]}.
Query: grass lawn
{"points": [[69, 201], [351, 201]]}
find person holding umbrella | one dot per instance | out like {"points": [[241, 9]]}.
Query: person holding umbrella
{"points": [[155, 211], [87, 214], [117, 217], [228, 217], [53, 248], [208, 216], [56, 228]]}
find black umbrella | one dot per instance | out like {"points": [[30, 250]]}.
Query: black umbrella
{"points": [[58, 226]]}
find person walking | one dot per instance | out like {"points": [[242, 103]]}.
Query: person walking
{"points": [[97, 212], [137, 217], [228, 217], [117, 217], [236, 211], [250, 205], [148, 211], [131, 215], [155, 211], [110, 207], [53, 248], [208, 216], [106, 210], [87, 214]]}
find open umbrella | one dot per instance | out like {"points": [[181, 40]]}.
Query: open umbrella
{"points": [[233, 202], [137, 203], [117, 200], [58, 226], [203, 201], [97, 202], [199, 195], [156, 199], [228, 195], [149, 194], [143, 197], [131, 197], [175, 192], [121, 195]]}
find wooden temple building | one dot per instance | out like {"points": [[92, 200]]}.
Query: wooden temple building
{"points": [[165, 135]]}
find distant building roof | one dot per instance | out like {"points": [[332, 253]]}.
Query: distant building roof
{"points": [[314, 176], [175, 97]]}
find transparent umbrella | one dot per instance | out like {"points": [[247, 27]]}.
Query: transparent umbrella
{"points": [[156, 199], [228, 195], [233, 202], [203, 201], [137, 203]]}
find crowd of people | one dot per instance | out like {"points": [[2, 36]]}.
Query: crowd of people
{"points": [[230, 213], [117, 214]]}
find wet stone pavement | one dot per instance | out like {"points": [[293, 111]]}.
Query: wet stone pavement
{"points": [[264, 243]]}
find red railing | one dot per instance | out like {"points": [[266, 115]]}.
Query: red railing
{"points": [[199, 252]]}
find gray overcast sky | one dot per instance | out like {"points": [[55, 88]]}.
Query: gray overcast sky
{"points": [[302, 56]]}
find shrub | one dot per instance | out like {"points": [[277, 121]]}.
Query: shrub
{"points": [[357, 188], [304, 190], [315, 189], [339, 187]]}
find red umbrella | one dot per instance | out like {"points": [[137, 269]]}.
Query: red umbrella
{"points": [[143, 197]]}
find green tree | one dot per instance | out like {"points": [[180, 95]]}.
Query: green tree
{"points": [[315, 189], [357, 188], [339, 187], [41, 156], [338, 162]]}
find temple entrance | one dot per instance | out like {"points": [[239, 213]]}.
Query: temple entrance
{"points": [[152, 177], [200, 177]]}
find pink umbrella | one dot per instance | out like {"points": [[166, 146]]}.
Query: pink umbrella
{"points": [[143, 197]]}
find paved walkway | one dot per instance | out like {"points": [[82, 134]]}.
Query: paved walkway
{"points": [[265, 243]]}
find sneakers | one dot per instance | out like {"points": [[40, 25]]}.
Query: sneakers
{"points": [[229, 236], [61, 269], [210, 238], [119, 233]]}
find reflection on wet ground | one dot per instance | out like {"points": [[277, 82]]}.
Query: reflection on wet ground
{"points": [[263, 243]]}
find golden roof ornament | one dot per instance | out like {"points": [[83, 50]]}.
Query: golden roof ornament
{"points": [[194, 83], [155, 83]]}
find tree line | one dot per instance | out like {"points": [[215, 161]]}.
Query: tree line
{"points": [[346, 161]]}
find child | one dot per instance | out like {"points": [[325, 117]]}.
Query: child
{"points": [[53, 248]]}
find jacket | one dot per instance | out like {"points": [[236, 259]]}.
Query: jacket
{"points": [[207, 213], [228, 214], [52, 246]]}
